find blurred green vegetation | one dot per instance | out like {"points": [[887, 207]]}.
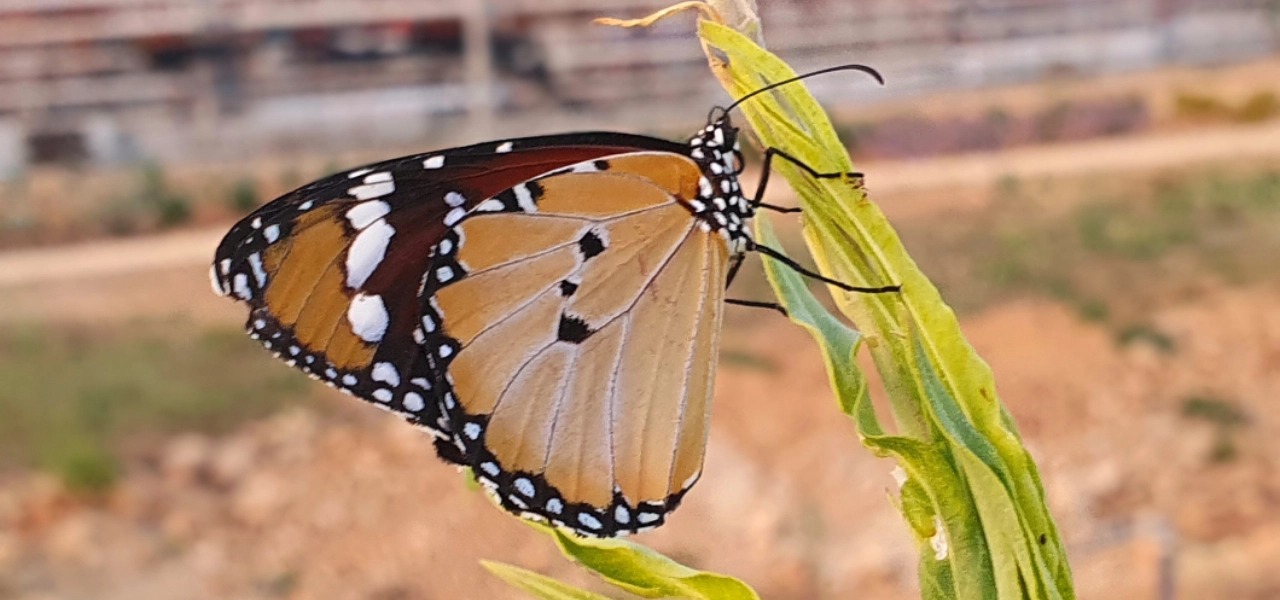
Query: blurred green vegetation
{"points": [[74, 398], [152, 204], [1258, 107], [747, 360], [1224, 416], [1109, 251], [244, 196]]}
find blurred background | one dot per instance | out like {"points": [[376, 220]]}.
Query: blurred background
{"points": [[1093, 184]]}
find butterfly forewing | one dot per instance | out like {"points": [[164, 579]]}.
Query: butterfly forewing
{"points": [[332, 271]]}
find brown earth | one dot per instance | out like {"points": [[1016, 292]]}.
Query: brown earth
{"points": [[350, 503], [356, 506]]}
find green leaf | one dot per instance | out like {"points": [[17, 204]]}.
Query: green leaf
{"points": [[646, 573], [971, 494], [964, 460], [539, 586], [837, 341]]}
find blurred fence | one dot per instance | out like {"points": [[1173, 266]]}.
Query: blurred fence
{"points": [[120, 80]]}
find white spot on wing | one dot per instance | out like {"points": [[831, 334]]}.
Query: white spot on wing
{"points": [[589, 521], [376, 185], [255, 262], [433, 162], [272, 233], [413, 402], [383, 395], [524, 486], [455, 199], [364, 214], [554, 506], [622, 515], [525, 198], [215, 282], [504, 147], [473, 432], [490, 205], [368, 317], [241, 285], [444, 274], [367, 251], [359, 173], [386, 372], [454, 216]]}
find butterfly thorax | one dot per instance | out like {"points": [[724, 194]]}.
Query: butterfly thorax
{"points": [[720, 205]]}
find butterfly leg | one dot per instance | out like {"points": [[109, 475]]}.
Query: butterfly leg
{"points": [[794, 266], [733, 269], [756, 304], [767, 168]]}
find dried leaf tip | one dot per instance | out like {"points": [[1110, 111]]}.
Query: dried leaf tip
{"points": [[708, 12]]}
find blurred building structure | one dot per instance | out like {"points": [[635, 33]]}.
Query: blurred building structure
{"points": [[111, 81]]}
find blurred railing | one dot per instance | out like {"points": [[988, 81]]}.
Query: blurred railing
{"points": [[214, 69]]}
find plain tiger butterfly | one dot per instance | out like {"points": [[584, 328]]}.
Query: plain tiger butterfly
{"points": [[547, 308]]}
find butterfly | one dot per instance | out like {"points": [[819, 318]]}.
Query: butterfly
{"points": [[547, 308]]}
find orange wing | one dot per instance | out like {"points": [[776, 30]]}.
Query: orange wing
{"points": [[332, 272], [574, 329]]}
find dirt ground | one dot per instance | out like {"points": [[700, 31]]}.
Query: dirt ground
{"points": [[354, 505], [350, 503]]}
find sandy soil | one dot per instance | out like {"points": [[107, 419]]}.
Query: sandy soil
{"points": [[920, 181], [354, 505]]}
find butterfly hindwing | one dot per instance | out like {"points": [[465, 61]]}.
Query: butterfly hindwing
{"points": [[570, 322]]}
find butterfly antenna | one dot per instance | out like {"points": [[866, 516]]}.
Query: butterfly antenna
{"points": [[863, 68]]}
